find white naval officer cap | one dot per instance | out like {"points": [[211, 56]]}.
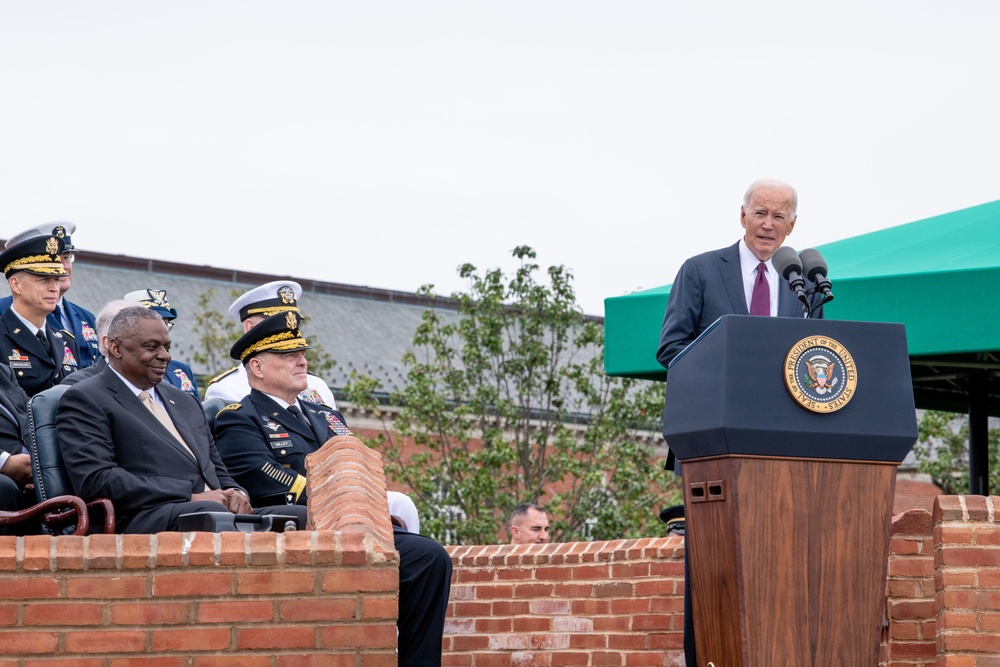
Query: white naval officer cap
{"points": [[155, 300], [269, 299], [58, 228]]}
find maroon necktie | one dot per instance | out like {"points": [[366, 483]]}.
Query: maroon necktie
{"points": [[760, 299]]}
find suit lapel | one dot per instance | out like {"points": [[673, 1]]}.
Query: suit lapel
{"points": [[732, 277], [180, 423], [788, 303], [131, 402]]}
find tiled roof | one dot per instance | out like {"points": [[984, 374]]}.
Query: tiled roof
{"points": [[363, 329]]}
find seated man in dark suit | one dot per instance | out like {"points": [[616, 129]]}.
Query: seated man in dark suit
{"points": [[178, 373], [264, 440], [127, 436], [15, 463]]}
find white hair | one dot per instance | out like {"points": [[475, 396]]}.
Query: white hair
{"points": [[103, 320], [770, 183]]}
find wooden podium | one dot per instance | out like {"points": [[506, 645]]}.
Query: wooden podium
{"points": [[789, 433]]}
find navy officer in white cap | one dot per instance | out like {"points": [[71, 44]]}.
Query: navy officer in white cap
{"points": [[279, 296], [67, 316], [178, 373], [38, 353]]}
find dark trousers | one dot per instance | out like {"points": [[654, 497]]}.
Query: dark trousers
{"points": [[10, 501], [424, 586]]}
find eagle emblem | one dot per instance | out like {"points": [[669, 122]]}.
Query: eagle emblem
{"points": [[59, 231], [52, 246], [820, 374], [159, 297], [286, 294], [290, 320]]}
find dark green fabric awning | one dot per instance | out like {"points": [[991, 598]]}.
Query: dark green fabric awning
{"points": [[937, 276]]}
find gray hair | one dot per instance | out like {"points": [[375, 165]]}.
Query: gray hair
{"points": [[103, 321], [770, 183], [126, 322]]}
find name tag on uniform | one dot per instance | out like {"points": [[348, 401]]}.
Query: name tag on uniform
{"points": [[279, 444]]}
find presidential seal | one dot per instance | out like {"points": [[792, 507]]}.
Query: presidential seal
{"points": [[820, 374]]}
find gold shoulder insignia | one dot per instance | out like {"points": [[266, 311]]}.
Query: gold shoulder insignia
{"points": [[231, 406], [68, 333], [222, 375]]}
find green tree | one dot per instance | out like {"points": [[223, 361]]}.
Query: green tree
{"points": [[215, 333], [942, 451], [504, 405]]}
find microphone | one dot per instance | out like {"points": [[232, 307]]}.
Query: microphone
{"points": [[814, 266], [786, 262]]}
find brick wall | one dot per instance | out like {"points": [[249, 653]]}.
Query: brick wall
{"points": [[967, 574], [584, 603], [304, 598], [943, 602], [328, 596], [910, 639]]}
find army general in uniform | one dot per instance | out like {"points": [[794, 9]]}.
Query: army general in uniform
{"points": [[39, 354]]}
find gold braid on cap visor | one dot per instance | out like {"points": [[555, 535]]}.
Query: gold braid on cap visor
{"points": [[272, 310], [44, 264], [284, 341]]}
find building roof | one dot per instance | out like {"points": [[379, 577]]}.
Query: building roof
{"points": [[362, 328]]}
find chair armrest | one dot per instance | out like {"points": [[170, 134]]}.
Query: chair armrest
{"points": [[60, 509]]}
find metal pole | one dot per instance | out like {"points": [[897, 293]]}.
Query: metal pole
{"points": [[979, 450]]}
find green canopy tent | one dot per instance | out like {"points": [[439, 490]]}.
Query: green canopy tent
{"points": [[936, 276]]}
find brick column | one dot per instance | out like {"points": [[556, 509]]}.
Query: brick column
{"points": [[967, 561], [909, 640]]}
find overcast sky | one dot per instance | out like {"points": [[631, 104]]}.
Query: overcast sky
{"points": [[387, 143]]}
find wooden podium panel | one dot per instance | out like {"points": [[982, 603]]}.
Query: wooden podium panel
{"points": [[788, 559]]}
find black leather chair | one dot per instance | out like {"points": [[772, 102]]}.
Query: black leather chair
{"points": [[48, 471]]}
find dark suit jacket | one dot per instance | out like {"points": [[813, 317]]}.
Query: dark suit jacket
{"points": [[707, 287], [13, 431], [265, 446], [114, 447]]}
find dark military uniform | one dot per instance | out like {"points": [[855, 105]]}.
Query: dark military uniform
{"points": [[83, 339], [83, 327], [264, 446], [180, 375], [13, 433], [35, 367]]}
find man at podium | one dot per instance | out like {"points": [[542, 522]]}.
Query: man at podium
{"points": [[738, 280]]}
